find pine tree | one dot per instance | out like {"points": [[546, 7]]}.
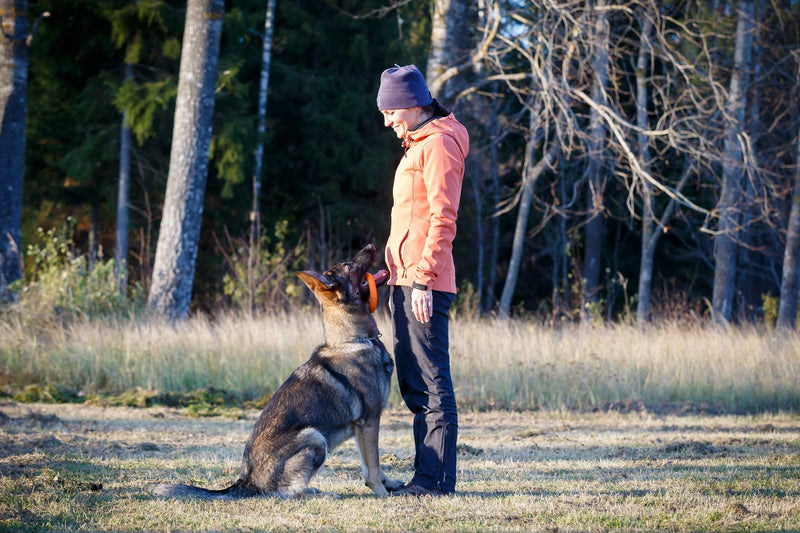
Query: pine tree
{"points": [[14, 43], [176, 252]]}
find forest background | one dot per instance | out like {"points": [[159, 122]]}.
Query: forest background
{"points": [[629, 160]]}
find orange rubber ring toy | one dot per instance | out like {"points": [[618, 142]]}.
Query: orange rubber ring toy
{"points": [[373, 293]]}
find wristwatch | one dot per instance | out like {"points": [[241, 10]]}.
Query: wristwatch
{"points": [[419, 286]]}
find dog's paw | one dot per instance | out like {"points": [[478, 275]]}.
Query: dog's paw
{"points": [[312, 492], [392, 484]]}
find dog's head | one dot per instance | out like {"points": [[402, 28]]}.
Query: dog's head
{"points": [[346, 283]]}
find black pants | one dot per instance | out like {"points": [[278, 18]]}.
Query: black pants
{"points": [[422, 357]]}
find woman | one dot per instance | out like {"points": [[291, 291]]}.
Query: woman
{"points": [[426, 192]]}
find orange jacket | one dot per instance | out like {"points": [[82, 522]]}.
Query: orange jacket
{"points": [[427, 190]]}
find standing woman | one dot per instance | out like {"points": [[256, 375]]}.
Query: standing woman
{"points": [[426, 192]]}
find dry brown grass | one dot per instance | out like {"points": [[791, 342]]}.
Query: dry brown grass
{"points": [[510, 364], [67, 467], [520, 364]]}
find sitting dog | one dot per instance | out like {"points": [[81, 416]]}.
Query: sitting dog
{"points": [[338, 393]]}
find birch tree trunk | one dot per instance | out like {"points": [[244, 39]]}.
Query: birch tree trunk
{"points": [[448, 42], [176, 252], [732, 169], [266, 59], [123, 197], [595, 227], [787, 308], [13, 114]]}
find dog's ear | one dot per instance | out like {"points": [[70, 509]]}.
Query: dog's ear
{"points": [[318, 283]]}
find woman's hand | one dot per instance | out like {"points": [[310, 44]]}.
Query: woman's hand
{"points": [[422, 305]]}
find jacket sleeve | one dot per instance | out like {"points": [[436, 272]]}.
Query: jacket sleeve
{"points": [[443, 172]]}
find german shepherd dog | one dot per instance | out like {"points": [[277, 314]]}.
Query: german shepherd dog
{"points": [[338, 393]]}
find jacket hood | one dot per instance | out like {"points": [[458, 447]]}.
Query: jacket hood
{"points": [[442, 125]]}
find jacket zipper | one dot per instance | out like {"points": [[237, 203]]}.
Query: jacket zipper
{"points": [[407, 145], [400, 250]]}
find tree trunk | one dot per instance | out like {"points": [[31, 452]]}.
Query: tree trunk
{"points": [[266, 59], [13, 114], [649, 247], [495, 221], [648, 217], [475, 177], [530, 175], [123, 197], [747, 272], [787, 309], [561, 255], [448, 42], [94, 216], [725, 248], [176, 252], [595, 227], [521, 228]]}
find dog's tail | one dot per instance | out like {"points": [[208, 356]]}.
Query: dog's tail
{"points": [[236, 491]]}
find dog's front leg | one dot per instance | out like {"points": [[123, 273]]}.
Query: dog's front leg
{"points": [[367, 442]]}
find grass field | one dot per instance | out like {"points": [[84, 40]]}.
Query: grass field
{"points": [[75, 467], [576, 428], [510, 364]]}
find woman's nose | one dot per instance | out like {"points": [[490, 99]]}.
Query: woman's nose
{"points": [[387, 121]]}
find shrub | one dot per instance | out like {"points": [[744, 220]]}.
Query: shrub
{"points": [[260, 276], [62, 283]]}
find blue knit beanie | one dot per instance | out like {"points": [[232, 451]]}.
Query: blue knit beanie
{"points": [[403, 87]]}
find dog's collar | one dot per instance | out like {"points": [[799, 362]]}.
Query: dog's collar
{"points": [[367, 339]]}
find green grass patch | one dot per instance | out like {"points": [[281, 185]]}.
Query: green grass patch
{"points": [[199, 403]]}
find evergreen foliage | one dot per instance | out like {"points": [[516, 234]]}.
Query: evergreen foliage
{"points": [[329, 163]]}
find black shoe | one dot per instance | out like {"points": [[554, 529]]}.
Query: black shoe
{"points": [[413, 489]]}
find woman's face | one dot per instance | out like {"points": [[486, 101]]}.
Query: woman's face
{"points": [[402, 120]]}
